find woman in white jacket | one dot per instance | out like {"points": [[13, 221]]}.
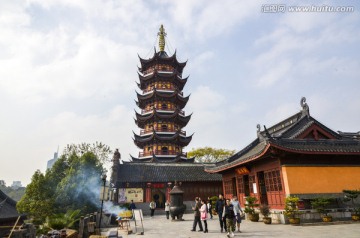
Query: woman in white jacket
{"points": [[204, 214]]}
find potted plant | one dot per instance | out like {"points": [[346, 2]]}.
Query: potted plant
{"points": [[351, 195], [250, 205], [213, 204], [320, 204], [291, 210], [265, 211]]}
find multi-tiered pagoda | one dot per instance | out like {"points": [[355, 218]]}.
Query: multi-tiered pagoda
{"points": [[162, 117], [162, 160]]}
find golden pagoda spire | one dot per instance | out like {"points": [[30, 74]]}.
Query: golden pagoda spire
{"points": [[162, 35]]}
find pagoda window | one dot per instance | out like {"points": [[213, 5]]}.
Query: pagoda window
{"points": [[164, 106], [164, 150], [164, 127]]}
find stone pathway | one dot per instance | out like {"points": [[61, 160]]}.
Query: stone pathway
{"points": [[159, 226]]}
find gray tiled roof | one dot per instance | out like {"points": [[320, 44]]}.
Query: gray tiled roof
{"points": [[245, 155], [284, 136], [163, 172], [7, 207], [321, 145]]}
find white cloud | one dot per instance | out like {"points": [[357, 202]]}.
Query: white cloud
{"points": [[217, 18], [279, 113], [55, 65], [13, 14], [274, 73], [200, 61]]}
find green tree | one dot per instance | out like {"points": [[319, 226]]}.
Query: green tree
{"points": [[73, 183], [38, 201], [209, 154], [80, 188], [100, 150]]}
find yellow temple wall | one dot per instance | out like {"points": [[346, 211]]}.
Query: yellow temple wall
{"points": [[320, 179]]}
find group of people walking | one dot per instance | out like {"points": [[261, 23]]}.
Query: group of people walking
{"points": [[201, 213], [229, 212]]}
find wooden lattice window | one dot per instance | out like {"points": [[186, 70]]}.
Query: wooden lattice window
{"points": [[228, 186], [273, 180], [240, 184]]}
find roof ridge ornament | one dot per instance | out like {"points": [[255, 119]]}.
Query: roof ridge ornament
{"points": [[305, 108], [258, 132], [267, 134], [162, 35]]}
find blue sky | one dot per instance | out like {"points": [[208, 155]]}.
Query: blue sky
{"points": [[68, 71]]}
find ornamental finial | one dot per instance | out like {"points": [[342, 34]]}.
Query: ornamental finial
{"points": [[162, 35], [305, 107], [258, 127]]}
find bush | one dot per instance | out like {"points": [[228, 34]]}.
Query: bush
{"points": [[320, 205], [250, 205], [213, 203], [291, 208], [351, 195]]}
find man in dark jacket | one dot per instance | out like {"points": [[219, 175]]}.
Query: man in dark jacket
{"points": [[132, 205], [229, 216], [219, 207], [196, 209]]}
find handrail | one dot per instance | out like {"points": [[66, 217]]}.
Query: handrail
{"points": [[149, 131], [14, 226], [159, 152]]}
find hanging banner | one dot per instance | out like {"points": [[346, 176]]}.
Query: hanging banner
{"points": [[135, 194], [122, 196], [128, 194]]}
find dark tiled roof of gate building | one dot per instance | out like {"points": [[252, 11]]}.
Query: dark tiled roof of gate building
{"points": [[163, 172], [7, 207]]}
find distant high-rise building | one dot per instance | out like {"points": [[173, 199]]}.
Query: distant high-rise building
{"points": [[2, 183], [16, 184], [51, 162]]}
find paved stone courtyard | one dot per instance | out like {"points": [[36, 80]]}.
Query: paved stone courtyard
{"points": [[159, 226]]}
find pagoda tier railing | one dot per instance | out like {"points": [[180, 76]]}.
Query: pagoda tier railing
{"points": [[144, 111], [170, 89], [149, 131], [159, 152], [152, 71]]}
